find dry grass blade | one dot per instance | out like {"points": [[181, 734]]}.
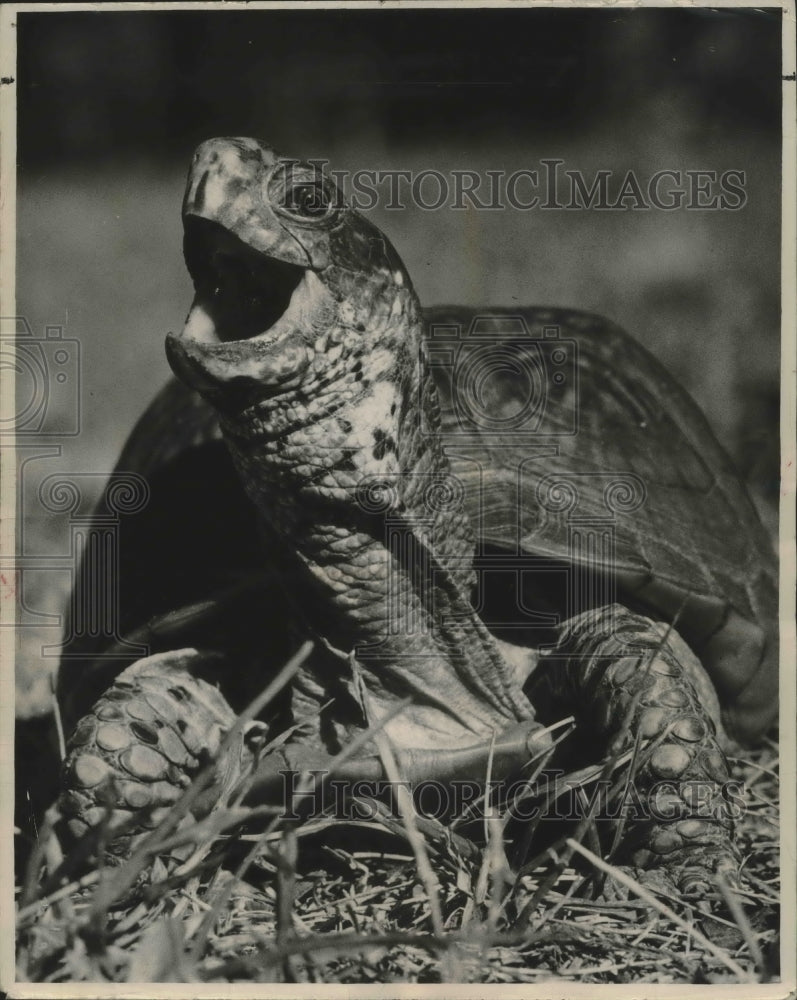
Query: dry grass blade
{"points": [[501, 875], [270, 692], [630, 775], [270, 831], [417, 843], [38, 856], [40, 905], [740, 918], [663, 909], [160, 955], [287, 856], [59, 725], [575, 781]]}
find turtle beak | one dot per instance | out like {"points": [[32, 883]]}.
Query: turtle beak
{"points": [[249, 332]]}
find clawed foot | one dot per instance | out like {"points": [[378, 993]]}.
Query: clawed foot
{"points": [[695, 884], [134, 756]]}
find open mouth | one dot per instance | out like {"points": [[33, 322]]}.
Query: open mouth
{"points": [[240, 293]]}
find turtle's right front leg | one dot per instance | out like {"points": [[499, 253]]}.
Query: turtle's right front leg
{"points": [[134, 754], [631, 683]]}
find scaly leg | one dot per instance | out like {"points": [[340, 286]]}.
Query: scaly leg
{"points": [[628, 679]]}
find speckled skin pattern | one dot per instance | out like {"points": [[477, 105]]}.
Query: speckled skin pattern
{"points": [[332, 419], [340, 448]]}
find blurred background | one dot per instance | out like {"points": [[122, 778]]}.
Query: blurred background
{"points": [[111, 104]]}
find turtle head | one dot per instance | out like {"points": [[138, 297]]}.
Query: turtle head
{"points": [[292, 287]]}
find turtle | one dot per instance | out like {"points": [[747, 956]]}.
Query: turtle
{"points": [[486, 519]]}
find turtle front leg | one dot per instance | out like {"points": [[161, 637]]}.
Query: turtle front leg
{"points": [[138, 749], [634, 683]]}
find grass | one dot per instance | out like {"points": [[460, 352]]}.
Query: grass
{"points": [[415, 902]]}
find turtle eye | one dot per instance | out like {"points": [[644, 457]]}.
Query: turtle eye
{"points": [[303, 194], [310, 201]]}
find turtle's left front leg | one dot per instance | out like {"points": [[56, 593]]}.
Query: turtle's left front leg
{"points": [[634, 684]]}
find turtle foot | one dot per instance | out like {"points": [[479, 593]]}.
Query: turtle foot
{"points": [[135, 754], [637, 688], [695, 884], [654, 880], [695, 869]]}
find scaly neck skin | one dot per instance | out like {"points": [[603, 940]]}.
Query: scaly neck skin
{"points": [[352, 477]]}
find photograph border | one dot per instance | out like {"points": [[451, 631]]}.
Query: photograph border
{"points": [[788, 664]]}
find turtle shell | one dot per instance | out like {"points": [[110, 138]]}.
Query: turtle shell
{"points": [[580, 456], [577, 447]]}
